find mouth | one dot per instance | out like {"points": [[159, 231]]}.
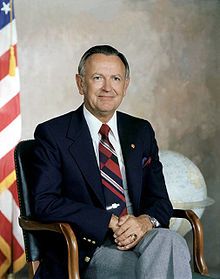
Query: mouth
{"points": [[106, 97]]}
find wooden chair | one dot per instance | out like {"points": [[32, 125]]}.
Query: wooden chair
{"points": [[30, 227]]}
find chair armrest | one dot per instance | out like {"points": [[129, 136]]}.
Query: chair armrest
{"points": [[66, 230], [198, 239]]}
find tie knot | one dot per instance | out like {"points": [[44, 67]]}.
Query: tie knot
{"points": [[104, 130]]}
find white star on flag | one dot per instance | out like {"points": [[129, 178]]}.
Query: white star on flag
{"points": [[5, 8]]}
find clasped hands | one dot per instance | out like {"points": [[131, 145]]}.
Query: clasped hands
{"points": [[128, 230]]}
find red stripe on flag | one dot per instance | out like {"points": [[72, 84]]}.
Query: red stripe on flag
{"points": [[10, 239], [5, 229], [13, 190], [17, 249], [4, 62], [9, 111], [2, 258], [112, 189], [7, 164]]}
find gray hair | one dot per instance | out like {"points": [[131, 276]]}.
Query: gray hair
{"points": [[103, 49]]}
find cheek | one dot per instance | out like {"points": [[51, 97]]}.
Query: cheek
{"points": [[121, 90], [94, 87]]}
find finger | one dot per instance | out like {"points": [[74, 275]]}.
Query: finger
{"points": [[129, 221], [128, 246], [123, 219], [127, 241], [122, 229], [125, 235]]}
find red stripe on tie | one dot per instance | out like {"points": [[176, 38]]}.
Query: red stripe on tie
{"points": [[112, 189], [112, 166], [104, 150], [9, 111], [4, 63]]}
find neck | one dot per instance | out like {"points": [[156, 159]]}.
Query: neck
{"points": [[102, 116], [104, 119]]}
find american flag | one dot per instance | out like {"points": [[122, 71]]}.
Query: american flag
{"points": [[12, 256]]}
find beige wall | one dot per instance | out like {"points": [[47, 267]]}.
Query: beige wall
{"points": [[173, 50]]}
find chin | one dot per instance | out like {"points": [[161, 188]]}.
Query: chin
{"points": [[106, 107]]}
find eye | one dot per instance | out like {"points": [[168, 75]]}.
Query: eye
{"points": [[97, 77], [116, 78]]}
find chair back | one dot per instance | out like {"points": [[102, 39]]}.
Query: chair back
{"points": [[23, 156]]}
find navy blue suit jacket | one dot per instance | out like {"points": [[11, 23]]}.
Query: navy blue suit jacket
{"points": [[67, 185]]}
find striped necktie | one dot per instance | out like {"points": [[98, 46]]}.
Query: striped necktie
{"points": [[111, 175]]}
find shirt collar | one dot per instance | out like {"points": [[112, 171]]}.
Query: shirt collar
{"points": [[95, 124]]}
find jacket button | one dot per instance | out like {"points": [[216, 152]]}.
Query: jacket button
{"points": [[84, 238], [87, 259], [93, 242], [89, 240]]}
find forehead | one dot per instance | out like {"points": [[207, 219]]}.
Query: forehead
{"points": [[104, 63]]}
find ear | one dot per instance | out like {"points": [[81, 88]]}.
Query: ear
{"points": [[127, 81], [79, 82]]}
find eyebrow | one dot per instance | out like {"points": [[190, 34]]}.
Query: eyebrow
{"points": [[114, 75]]}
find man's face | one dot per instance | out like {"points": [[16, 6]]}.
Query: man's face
{"points": [[103, 85]]}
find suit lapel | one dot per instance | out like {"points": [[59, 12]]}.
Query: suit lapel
{"points": [[132, 152], [83, 153]]}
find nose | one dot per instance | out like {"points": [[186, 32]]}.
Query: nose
{"points": [[107, 85]]}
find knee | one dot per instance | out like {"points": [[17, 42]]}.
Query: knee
{"points": [[177, 242], [169, 236]]}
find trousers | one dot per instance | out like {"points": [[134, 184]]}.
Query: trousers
{"points": [[161, 254]]}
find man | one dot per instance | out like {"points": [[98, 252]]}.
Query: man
{"points": [[99, 170]]}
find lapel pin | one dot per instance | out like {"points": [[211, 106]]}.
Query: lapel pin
{"points": [[132, 145]]}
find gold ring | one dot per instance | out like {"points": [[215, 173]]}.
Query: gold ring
{"points": [[133, 236]]}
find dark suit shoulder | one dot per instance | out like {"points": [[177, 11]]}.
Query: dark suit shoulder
{"points": [[58, 119], [62, 122], [59, 126], [133, 122]]}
